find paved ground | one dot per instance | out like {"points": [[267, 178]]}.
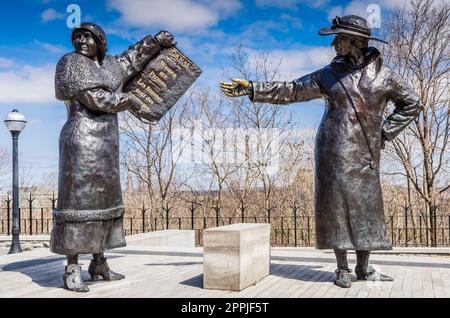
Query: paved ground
{"points": [[169, 272]]}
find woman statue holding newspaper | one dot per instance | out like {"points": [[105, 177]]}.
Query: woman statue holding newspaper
{"points": [[89, 214], [356, 87]]}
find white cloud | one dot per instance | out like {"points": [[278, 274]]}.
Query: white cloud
{"points": [[27, 84], [290, 4], [296, 63], [52, 48], [34, 121], [50, 15], [175, 15], [296, 23], [359, 7], [4, 62]]}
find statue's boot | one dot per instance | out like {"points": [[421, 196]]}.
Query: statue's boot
{"points": [[371, 274], [343, 278], [72, 279], [101, 268]]}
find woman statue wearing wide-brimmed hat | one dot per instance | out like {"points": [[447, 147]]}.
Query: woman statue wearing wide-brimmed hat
{"points": [[356, 87], [89, 215]]}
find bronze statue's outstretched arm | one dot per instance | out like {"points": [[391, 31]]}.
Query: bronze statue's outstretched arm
{"points": [[236, 88], [300, 90]]}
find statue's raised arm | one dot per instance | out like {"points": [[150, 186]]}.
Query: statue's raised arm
{"points": [[138, 55]]}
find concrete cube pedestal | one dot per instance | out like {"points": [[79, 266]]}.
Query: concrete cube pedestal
{"points": [[235, 256]]}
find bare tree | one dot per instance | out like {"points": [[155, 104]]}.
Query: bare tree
{"points": [[217, 166], [419, 50], [152, 154], [268, 129]]}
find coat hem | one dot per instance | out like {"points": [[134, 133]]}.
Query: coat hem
{"points": [[86, 251], [73, 216]]}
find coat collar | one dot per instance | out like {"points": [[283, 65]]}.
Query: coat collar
{"points": [[371, 55]]}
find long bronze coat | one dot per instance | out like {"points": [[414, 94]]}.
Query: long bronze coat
{"points": [[89, 213], [348, 200]]}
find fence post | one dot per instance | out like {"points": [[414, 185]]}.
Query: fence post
{"points": [[435, 228], [143, 210], [167, 215], [282, 232], [53, 199], [392, 230], [295, 223], [8, 211], [131, 226], [406, 226], [192, 215], [217, 209], [420, 230], [42, 220], [309, 232], [30, 206]]}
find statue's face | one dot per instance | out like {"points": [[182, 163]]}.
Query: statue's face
{"points": [[342, 44], [84, 43]]}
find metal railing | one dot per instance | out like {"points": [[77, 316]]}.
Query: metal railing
{"points": [[288, 228], [285, 231]]}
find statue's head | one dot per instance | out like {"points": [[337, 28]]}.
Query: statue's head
{"points": [[351, 32], [89, 39]]}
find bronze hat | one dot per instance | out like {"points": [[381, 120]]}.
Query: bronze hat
{"points": [[352, 25]]}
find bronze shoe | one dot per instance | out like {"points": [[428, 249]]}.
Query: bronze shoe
{"points": [[72, 279], [370, 274], [343, 278], [102, 269]]}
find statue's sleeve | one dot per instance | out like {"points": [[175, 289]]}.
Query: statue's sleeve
{"points": [[100, 100], [137, 56], [407, 106], [300, 90]]}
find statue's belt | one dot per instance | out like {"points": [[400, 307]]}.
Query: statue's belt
{"points": [[73, 216]]}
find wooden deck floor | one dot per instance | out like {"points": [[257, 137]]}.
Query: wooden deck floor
{"points": [[169, 272]]}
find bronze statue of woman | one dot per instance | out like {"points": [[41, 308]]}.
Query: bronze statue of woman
{"points": [[88, 218], [356, 87]]}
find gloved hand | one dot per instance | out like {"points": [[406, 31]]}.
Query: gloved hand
{"points": [[165, 39], [135, 103], [236, 88]]}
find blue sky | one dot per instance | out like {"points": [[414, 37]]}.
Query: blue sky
{"points": [[35, 35]]}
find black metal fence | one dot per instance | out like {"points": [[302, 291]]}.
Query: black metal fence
{"points": [[295, 229]]}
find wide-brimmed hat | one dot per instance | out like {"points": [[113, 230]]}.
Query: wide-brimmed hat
{"points": [[99, 35], [352, 25]]}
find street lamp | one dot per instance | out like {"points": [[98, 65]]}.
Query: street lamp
{"points": [[15, 122]]}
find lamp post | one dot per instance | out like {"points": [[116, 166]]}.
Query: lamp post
{"points": [[15, 122]]}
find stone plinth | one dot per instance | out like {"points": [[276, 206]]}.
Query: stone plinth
{"points": [[235, 256]]}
